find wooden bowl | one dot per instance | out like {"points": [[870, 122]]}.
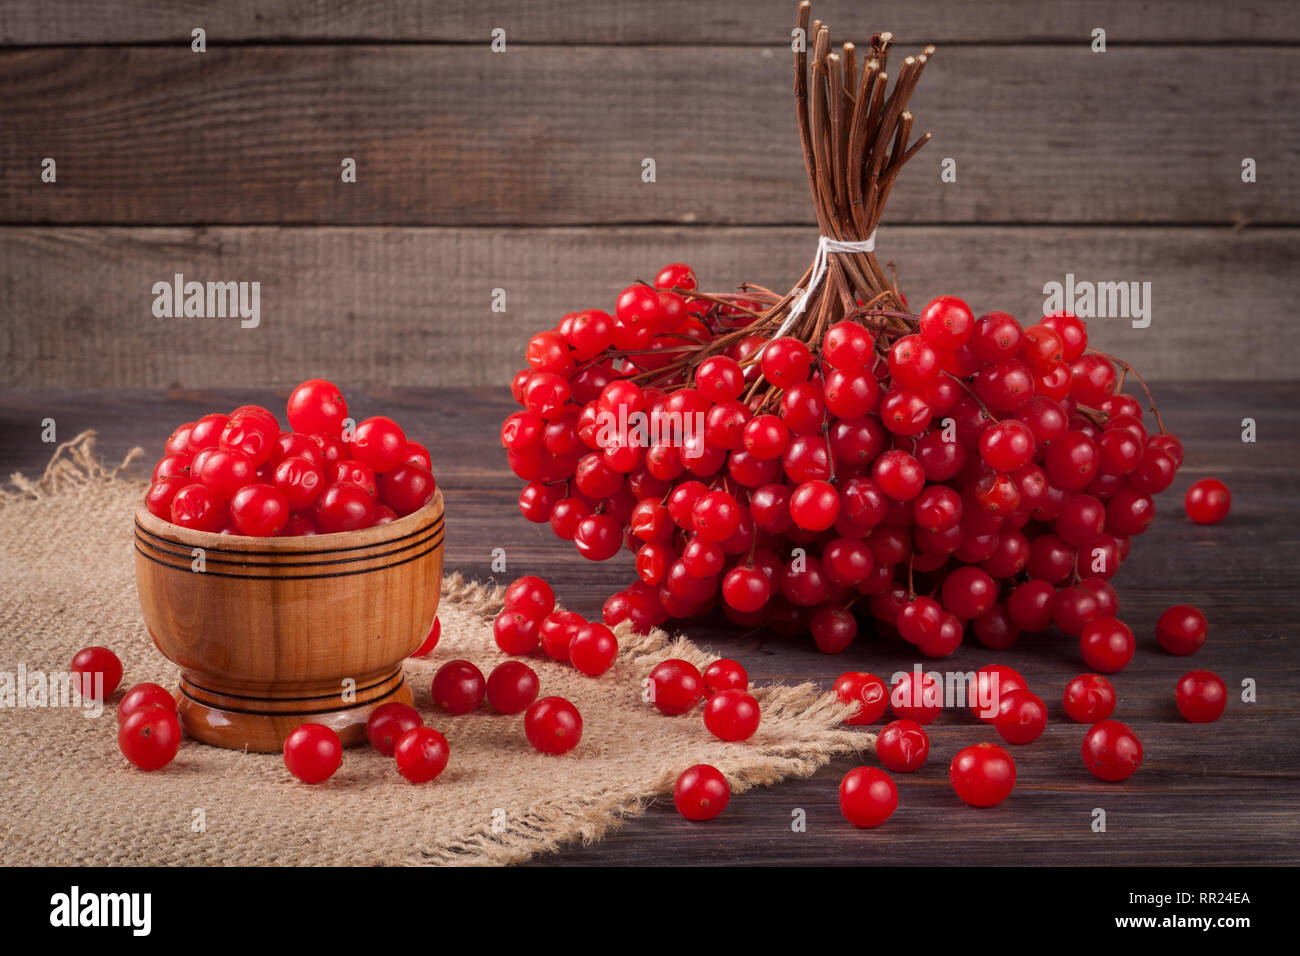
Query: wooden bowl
{"points": [[277, 632]]}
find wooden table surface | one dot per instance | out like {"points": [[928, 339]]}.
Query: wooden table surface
{"points": [[1224, 793]]}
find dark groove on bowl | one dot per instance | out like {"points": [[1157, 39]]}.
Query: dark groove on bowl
{"points": [[218, 693], [292, 577], [283, 713], [288, 556]]}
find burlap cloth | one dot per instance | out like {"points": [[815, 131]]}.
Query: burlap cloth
{"points": [[67, 796]]}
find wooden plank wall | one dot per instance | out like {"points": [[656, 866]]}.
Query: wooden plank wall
{"points": [[522, 171]]}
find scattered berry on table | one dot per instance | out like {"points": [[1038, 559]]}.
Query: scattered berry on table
{"points": [[1089, 698], [1182, 629], [1207, 501], [903, 746], [1202, 696], [1111, 751], [982, 775], [865, 691], [868, 797]]}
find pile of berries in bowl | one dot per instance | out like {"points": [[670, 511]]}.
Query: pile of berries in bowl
{"points": [[243, 474]]}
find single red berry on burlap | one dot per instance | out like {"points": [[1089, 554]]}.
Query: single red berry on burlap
{"points": [[701, 792]]}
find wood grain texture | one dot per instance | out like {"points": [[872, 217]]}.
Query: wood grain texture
{"points": [[546, 135], [272, 631], [396, 306], [1206, 795], [635, 21]]}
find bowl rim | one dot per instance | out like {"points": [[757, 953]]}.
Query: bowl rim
{"points": [[333, 541]]}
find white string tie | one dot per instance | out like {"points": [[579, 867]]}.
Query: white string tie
{"points": [[825, 246]]}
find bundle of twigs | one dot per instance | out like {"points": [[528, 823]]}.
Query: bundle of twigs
{"points": [[855, 134]]}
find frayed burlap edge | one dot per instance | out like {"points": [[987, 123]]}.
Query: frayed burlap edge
{"points": [[73, 466]]}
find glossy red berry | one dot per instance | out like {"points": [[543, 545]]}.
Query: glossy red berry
{"points": [[421, 754], [946, 323], [98, 670], [868, 797], [701, 792], [715, 516], [530, 595], [969, 592], [259, 510], [746, 589], [848, 346], [593, 649], [1071, 461], [1182, 629], [407, 488], [732, 715], [511, 687], [149, 737], [313, 752], [982, 775], [1202, 696], [1107, 644], [343, 506], [720, 379], [675, 686], [899, 475], [553, 725], [1022, 717], [198, 507], [316, 407], [864, 691], [254, 432], [786, 361], [814, 505], [388, 722], [1207, 501], [1111, 751], [903, 746], [458, 687], [430, 640], [1008, 445], [516, 632], [145, 695], [996, 336], [993, 682], [676, 275], [557, 631], [1089, 698], [379, 442], [915, 699], [598, 537], [725, 674]]}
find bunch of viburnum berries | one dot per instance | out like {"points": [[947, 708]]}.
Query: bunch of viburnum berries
{"points": [[941, 473]]}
